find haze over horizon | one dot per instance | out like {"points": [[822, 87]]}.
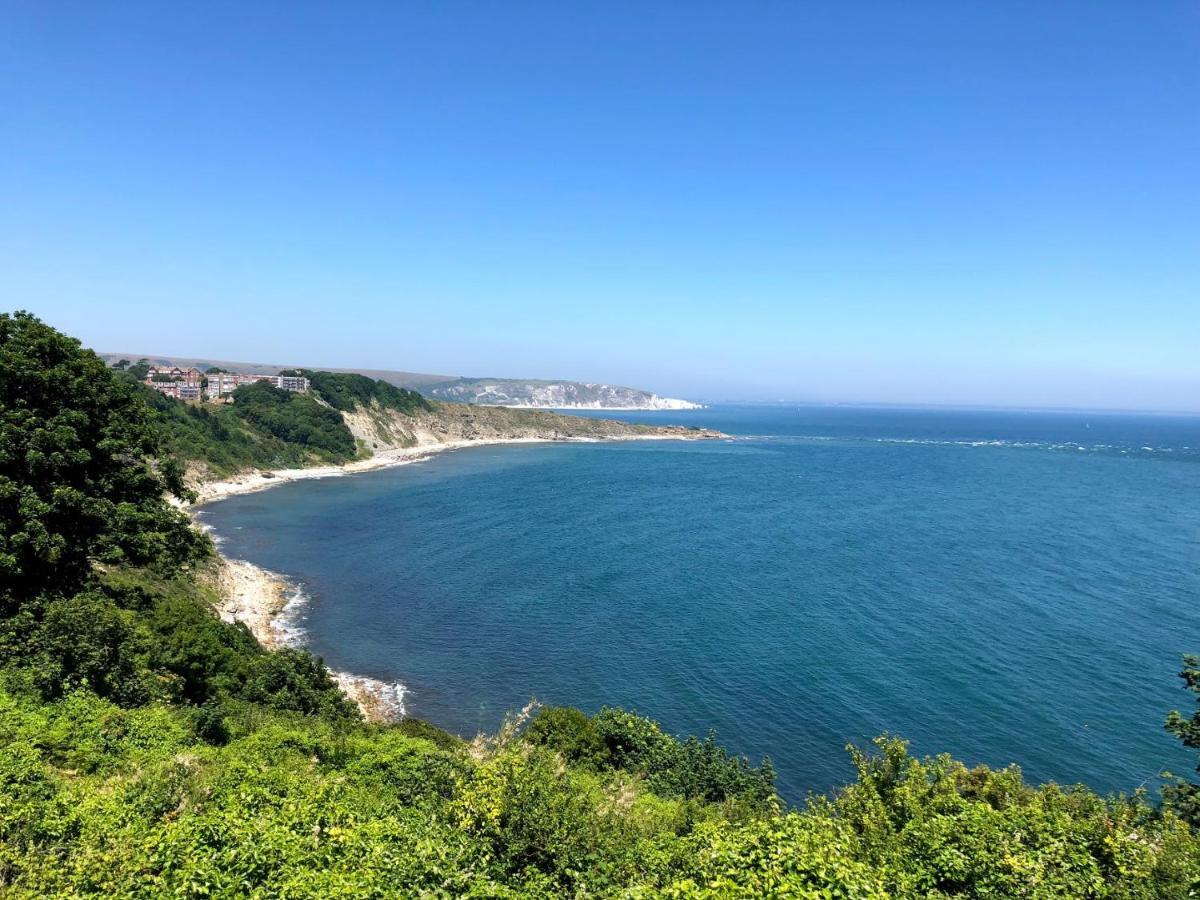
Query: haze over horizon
{"points": [[950, 204]]}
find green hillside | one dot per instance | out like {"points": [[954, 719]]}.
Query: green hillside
{"points": [[148, 749], [268, 428]]}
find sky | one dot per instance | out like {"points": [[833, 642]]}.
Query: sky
{"points": [[930, 202]]}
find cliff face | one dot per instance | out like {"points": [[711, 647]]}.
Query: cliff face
{"points": [[551, 395], [382, 429]]}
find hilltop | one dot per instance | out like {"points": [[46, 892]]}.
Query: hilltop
{"points": [[411, 380], [532, 393]]}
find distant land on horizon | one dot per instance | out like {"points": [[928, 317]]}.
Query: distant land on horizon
{"points": [[532, 393], [480, 391]]}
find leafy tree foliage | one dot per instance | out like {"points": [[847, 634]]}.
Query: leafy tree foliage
{"points": [[294, 418], [348, 392], [83, 502], [139, 370], [76, 482], [219, 439], [1184, 796], [86, 641], [617, 739]]}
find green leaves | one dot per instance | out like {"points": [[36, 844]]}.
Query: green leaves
{"points": [[347, 392], [1184, 796], [97, 800], [295, 419], [76, 480]]}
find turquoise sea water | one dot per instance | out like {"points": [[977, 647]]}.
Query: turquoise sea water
{"points": [[1006, 587]]}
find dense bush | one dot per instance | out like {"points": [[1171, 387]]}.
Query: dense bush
{"points": [[219, 439], [86, 641], [267, 428], [295, 419], [76, 481], [617, 739], [97, 800], [348, 392]]}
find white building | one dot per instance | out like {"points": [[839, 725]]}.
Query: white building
{"points": [[221, 384]]}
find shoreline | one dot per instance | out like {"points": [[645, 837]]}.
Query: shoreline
{"points": [[215, 491], [691, 407], [260, 598]]}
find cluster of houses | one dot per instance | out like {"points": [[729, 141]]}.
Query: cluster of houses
{"points": [[192, 384]]}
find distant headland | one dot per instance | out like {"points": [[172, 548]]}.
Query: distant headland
{"points": [[526, 393]]}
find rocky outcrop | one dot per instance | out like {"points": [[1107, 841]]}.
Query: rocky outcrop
{"points": [[451, 423]]}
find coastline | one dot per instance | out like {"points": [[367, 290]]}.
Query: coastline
{"points": [[260, 598], [689, 407], [214, 491]]}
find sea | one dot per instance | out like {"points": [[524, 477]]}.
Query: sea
{"points": [[1006, 587]]}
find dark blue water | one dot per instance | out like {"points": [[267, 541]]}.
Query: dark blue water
{"points": [[1007, 587]]}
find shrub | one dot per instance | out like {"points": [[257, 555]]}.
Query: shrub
{"points": [[569, 732], [347, 392], [295, 419], [87, 641]]}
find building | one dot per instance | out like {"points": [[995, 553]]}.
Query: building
{"points": [[297, 383], [190, 384], [190, 376], [221, 384], [170, 388]]}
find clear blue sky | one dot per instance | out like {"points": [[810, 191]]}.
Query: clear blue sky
{"points": [[945, 202]]}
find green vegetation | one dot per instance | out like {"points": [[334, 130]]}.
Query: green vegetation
{"points": [[149, 749], [76, 483], [1184, 796], [266, 428], [295, 419], [138, 370], [347, 392], [219, 438]]}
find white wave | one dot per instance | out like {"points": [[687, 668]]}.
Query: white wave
{"points": [[288, 625], [380, 701], [1031, 445]]}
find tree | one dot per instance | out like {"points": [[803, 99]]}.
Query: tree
{"points": [[86, 642], [1184, 796], [121, 364], [77, 479]]}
